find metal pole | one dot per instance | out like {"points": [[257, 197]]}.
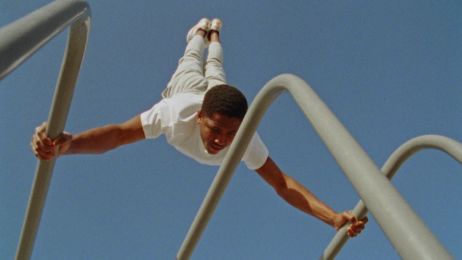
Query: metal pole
{"points": [[391, 166], [18, 41], [23, 37], [406, 231]]}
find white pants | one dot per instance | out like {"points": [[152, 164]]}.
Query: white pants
{"points": [[190, 75]]}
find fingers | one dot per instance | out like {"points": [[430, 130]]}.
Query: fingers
{"points": [[344, 218], [365, 220], [62, 139], [349, 215], [356, 227], [42, 146]]}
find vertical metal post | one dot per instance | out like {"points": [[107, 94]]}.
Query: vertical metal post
{"points": [[18, 41]]}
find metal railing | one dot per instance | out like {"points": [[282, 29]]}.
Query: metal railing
{"points": [[406, 231], [391, 166], [411, 238], [18, 41]]}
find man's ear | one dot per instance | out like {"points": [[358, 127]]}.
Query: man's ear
{"points": [[199, 116]]}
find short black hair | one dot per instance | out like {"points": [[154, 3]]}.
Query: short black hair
{"points": [[226, 100]]}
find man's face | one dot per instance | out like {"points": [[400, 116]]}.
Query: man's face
{"points": [[217, 131]]}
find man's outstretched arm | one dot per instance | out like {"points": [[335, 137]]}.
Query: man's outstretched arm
{"points": [[300, 197], [93, 141]]}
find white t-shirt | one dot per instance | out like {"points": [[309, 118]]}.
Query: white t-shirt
{"points": [[175, 117]]}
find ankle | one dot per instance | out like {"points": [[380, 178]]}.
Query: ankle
{"points": [[214, 36], [201, 32], [215, 28]]}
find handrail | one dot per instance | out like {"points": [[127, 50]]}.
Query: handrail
{"points": [[404, 228], [23, 37], [391, 166], [18, 41]]}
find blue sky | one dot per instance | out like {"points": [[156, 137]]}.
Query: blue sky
{"points": [[390, 70]]}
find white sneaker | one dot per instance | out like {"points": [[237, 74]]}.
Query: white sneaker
{"points": [[216, 25], [203, 24]]}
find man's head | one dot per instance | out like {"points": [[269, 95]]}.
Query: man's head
{"points": [[220, 116]]}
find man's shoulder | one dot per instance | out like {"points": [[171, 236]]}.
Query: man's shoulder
{"points": [[184, 100], [175, 108], [184, 104]]}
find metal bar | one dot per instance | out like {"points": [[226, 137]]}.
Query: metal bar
{"points": [[406, 231], [18, 41], [21, 38], [391, 166]]}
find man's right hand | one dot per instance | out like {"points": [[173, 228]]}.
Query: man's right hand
{"points": [[46, 148]]}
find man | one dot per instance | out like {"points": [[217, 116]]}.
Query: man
{"points": [[199, 115]]}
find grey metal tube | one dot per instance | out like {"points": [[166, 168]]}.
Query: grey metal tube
{"points": [[21, 38], [391, 166], [406, 231], [18, 41]]}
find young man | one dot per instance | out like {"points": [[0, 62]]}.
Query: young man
{"points": [[199, 115]]}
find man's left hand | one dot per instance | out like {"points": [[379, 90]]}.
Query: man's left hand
{"points": [[356, 225]]}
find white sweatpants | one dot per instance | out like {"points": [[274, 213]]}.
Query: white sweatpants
{"points": [[190, 75]]}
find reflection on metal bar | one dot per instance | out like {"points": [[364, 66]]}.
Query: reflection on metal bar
{"points": [[391, 166], [406, 231], [18, 41]]}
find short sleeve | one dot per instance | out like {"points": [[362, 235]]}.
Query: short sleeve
{"points": [[155, 119], [256, 154]]}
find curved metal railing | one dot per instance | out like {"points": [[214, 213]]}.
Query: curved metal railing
{"points": [[406, 231], [18, 41], [391, 166]]}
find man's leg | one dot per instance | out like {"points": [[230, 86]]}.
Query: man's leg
{"points": [[189, 75], [214, 72]]}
